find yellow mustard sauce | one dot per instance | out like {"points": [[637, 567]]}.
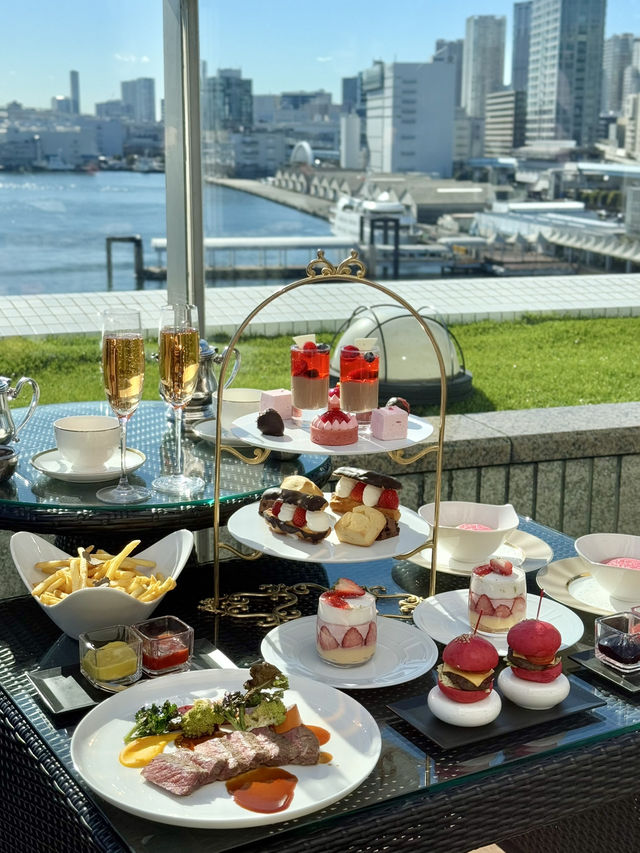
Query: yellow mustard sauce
{"points": [[111, 662], [140, 751]]}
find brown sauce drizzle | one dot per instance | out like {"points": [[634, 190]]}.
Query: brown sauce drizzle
{"points": [[266, 789]]}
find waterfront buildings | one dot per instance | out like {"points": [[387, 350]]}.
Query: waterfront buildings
{"points": [[483, 61], [140, 95], [227, 101], [74, 85], [409, 116], [565, 61], [452, 52], [520, 45], [616, 57], [505, 122]]}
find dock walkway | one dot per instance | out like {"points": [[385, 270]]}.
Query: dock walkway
{"points": [[327, 305]]}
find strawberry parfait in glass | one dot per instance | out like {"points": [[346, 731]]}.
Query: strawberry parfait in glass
{"points": [[359, 367], [309, 376], [346, 627]]}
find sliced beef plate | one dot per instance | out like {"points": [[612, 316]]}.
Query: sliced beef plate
{"points": [[218, 759]]}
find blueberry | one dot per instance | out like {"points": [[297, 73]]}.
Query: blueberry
{"points": [[323, 347], [312, 373], [369, 356]]}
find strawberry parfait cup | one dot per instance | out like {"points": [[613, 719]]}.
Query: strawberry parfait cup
{"points": [[359, 368], [309, 377], [346, 627]]}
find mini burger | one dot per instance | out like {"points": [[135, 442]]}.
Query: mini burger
{"points": [[464, 695], [533, 678]]}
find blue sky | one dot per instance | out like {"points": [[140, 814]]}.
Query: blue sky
{"points": [[280, 44]]}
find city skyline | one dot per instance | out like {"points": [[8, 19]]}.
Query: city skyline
{"points": [[125, 43]]}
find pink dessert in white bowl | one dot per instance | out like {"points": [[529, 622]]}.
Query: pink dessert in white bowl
{"points": [[346, 628], [334, 428], [497, 597]]}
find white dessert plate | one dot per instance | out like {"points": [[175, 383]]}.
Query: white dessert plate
{"points": [[51, 463], [402, 654], [354, 744], [445, 616], [297, 439], [569, 583], [251, 529], [206, 430], [523, 549]]}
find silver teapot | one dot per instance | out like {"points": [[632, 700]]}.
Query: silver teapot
{"points": [[201, 404], [8, 430]]}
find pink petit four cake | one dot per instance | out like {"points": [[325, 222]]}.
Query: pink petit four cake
{"points": [[334, 427], [278, 399], [389, 423]]}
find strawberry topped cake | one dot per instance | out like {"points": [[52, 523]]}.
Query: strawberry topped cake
{"points": [[333, 428], [346, 629], [497, 596]]}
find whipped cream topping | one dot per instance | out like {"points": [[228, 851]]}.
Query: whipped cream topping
{"points": [[318, 521], [362, 608], [371, 495], [500, 586], [344, 487], [286, 512]]}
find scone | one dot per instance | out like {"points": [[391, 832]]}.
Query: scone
{"points": [[358, 487], [361, 526]]}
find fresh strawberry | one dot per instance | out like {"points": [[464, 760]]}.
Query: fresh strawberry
{"points": [[299, 368], [349, 351], [326, 640], [299, 517], [347, 588], [502, 611], [389, 499], [483, 570], [333, 599], [501, 567], [357, 492], [372, 635], [309, 345], [275, 509], [352, 639], [484, 605]]}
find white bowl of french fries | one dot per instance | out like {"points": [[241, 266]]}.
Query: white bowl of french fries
{"points": [[95, 589]]}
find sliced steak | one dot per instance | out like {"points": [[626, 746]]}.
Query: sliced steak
{"points": [[303, 745], [175, 772]]}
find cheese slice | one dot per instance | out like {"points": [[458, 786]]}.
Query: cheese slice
{"points": [[475, 678]]}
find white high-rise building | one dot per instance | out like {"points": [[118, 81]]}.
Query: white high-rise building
{"points": [[140, 95], [565, 63], [616, 58], [482, 61], [410, 112]]}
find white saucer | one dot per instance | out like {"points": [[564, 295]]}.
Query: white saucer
{"points": [[297, 439], [51, 463], [568, 582], [445, 616], [206, 430], [251, 529], [523, 549], [402, 654]]}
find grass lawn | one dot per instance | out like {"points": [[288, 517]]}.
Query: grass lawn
{"points": [[531, 363]]}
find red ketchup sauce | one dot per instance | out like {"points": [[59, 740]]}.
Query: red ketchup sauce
{"points": [[168, 651]]}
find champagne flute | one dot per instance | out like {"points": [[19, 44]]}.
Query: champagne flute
{"points": [[179, 360], [123, 380]]}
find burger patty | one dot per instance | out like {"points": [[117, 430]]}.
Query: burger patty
{"points": [[523, 663], [454, 679]]}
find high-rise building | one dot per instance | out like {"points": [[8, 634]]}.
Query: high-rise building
{"points": [[227, 101], [616, 58], [483, 61], [451, 52], [410, 114], [565, 62], [74, 80], [504, 122], [520, 45], [61, 104], [140, 94]]}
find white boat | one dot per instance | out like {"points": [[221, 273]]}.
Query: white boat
{"points": [[53, 163], [351, 217]]}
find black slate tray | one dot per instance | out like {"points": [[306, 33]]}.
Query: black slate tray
{"points": [[628, 682]]}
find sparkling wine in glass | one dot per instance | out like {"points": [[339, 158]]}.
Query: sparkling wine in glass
{"points": [[178, 360], [123, 380]]}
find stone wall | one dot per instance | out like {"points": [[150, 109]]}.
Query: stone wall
{"points": [[575, 469]]}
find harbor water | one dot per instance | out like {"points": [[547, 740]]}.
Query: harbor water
{"points": [[53, 227]]}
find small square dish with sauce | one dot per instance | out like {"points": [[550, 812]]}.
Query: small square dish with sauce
{"points": [[167, 645]]}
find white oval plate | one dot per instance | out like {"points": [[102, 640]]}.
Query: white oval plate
{"points": [[297, 439], [51, 463], [251, 529], [355, 745], [402, 654], [446, 615]]}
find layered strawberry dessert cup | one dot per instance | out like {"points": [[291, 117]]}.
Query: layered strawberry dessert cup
{"points": [[497, 597], [309, 376], [346, 627], [359, 367]]}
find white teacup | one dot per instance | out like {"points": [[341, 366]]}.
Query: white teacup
{"points": [[237, 402], [87, 441]]}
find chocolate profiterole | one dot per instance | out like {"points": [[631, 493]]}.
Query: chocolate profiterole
{"points": [[270, 422]]}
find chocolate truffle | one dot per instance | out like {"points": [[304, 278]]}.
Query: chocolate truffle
{"points": [[270, 422]]}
